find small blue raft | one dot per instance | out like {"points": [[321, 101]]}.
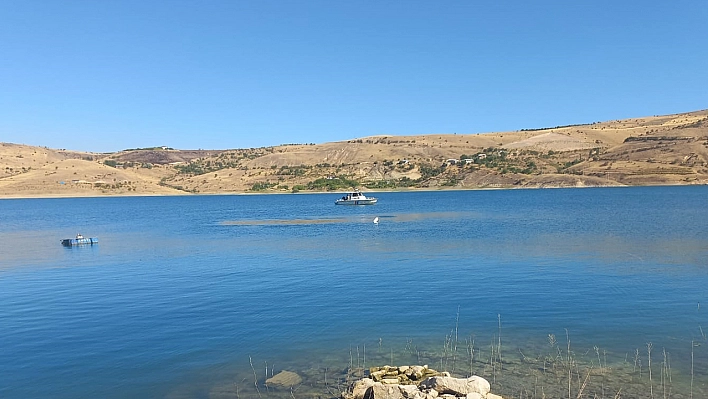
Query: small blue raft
{"points": [[70, 242]]}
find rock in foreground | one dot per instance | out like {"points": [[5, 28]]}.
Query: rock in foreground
{"points": [[417, 382]]}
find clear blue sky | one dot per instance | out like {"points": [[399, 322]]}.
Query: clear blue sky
{"points": [[113, 74]]}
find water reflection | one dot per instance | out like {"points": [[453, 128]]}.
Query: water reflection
{"points": [[396, 218]]}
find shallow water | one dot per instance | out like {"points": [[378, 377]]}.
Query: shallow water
{"points": [[206, 296]]}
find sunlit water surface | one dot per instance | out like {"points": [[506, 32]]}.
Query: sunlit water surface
{"points": [[207, 296]]}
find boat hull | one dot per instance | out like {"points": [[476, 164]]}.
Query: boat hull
{"points": [[70, 242], [370, 201]]}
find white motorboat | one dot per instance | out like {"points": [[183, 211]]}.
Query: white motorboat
{"points": [[355, 198]]}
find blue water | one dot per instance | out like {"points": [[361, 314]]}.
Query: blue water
{"points": [[183, 294]]}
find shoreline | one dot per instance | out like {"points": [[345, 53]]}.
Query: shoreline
{"points": [[185, 194]]}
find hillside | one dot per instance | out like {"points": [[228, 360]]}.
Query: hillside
{"points": [[657, 150]]}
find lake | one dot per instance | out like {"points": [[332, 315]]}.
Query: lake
{"points": [[208, 296]]}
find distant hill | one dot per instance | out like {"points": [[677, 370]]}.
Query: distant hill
{"points": [[657, 150]]}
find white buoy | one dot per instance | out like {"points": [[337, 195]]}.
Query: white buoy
{"points": [[376, 220]]}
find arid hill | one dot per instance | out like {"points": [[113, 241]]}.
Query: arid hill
{"points": [[658, 150]]}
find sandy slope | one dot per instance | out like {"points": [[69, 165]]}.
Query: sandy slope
{"points": [[671, 149]]}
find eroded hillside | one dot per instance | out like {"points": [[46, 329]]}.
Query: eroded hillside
{"points": [[656, 150]]}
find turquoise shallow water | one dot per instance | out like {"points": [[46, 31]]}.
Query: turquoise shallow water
{"points": [[184, 294]]}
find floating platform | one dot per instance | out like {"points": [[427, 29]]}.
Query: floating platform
{"points": [[70, 242]]}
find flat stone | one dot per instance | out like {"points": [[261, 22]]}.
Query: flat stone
{"points": [[381, 391], [457, 386], [284, 378]]}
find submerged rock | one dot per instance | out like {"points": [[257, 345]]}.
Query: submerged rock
{"points": [[284, 378]]}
